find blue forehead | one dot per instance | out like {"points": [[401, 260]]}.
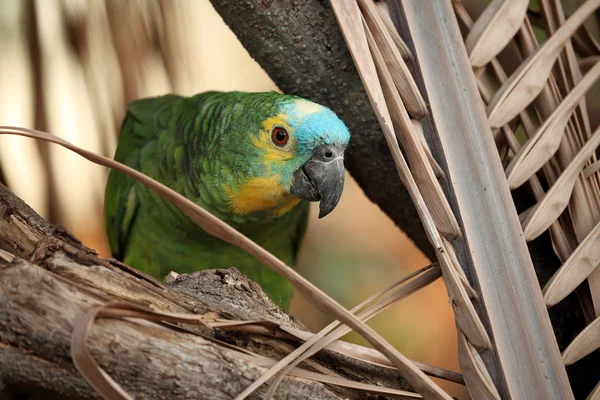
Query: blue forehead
{"points": [[315, 125]]}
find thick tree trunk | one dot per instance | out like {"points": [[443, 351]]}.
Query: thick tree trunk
{"points": [[41, 300]]}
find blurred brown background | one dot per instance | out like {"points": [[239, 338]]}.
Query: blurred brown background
{"points": [[70, 67]]}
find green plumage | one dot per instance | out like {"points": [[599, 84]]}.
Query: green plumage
{"points": [[204, 147]]}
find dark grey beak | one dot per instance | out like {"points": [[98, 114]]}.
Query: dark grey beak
{"points": [[321, 178]]}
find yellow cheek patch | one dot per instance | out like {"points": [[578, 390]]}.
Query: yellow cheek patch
{"points": [[259, 194], [264, 193], [272, 153]]}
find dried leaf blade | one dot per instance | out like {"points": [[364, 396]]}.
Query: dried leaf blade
{"points": [[492, 31], [582, 262], [587, 341], [544, 144], [529, 79], [557, 198]]}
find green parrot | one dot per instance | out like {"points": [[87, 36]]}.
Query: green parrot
{"points": [[254, 160]]}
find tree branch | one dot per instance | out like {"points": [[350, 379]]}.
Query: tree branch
{"points": [[146, 360]]}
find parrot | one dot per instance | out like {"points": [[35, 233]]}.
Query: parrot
{"points": [[255, 160]]}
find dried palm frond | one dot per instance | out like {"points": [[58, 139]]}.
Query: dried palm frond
{"points": [[561, 147], [545, 99]]}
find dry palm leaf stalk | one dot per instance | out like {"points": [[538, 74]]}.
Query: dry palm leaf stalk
{"points": [[388, 106], [562, 148], [509, 288], [558, 235]]}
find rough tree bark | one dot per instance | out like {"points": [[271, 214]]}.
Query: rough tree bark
{"points": [[40, 300]]}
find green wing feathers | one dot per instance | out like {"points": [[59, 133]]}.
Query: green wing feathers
{"points": [[121, 202]]}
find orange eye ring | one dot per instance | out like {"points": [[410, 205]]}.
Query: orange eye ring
{"points": [[280, 136]]}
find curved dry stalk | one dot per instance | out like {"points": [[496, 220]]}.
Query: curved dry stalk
{"points": [[557, 198], [494, 29], [587, 341], [326, 339], [108, 388], [582, 262], [530, 78], [399, 72], [544, 144], [384, 12], [221, 230], [497, 253], [479, 381], [102, 383]]}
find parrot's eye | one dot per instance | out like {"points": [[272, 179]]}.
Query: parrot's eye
{"points": [[280, 136]]}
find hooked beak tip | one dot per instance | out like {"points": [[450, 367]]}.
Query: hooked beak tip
{"points": [[321, 179]]}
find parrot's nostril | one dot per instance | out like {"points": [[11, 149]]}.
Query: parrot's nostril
{"points": [[327, 153]]}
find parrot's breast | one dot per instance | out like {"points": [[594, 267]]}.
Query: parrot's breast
{"points": [[260, 194]]}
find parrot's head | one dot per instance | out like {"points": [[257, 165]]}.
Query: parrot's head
{"points": [[297, 154]]}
